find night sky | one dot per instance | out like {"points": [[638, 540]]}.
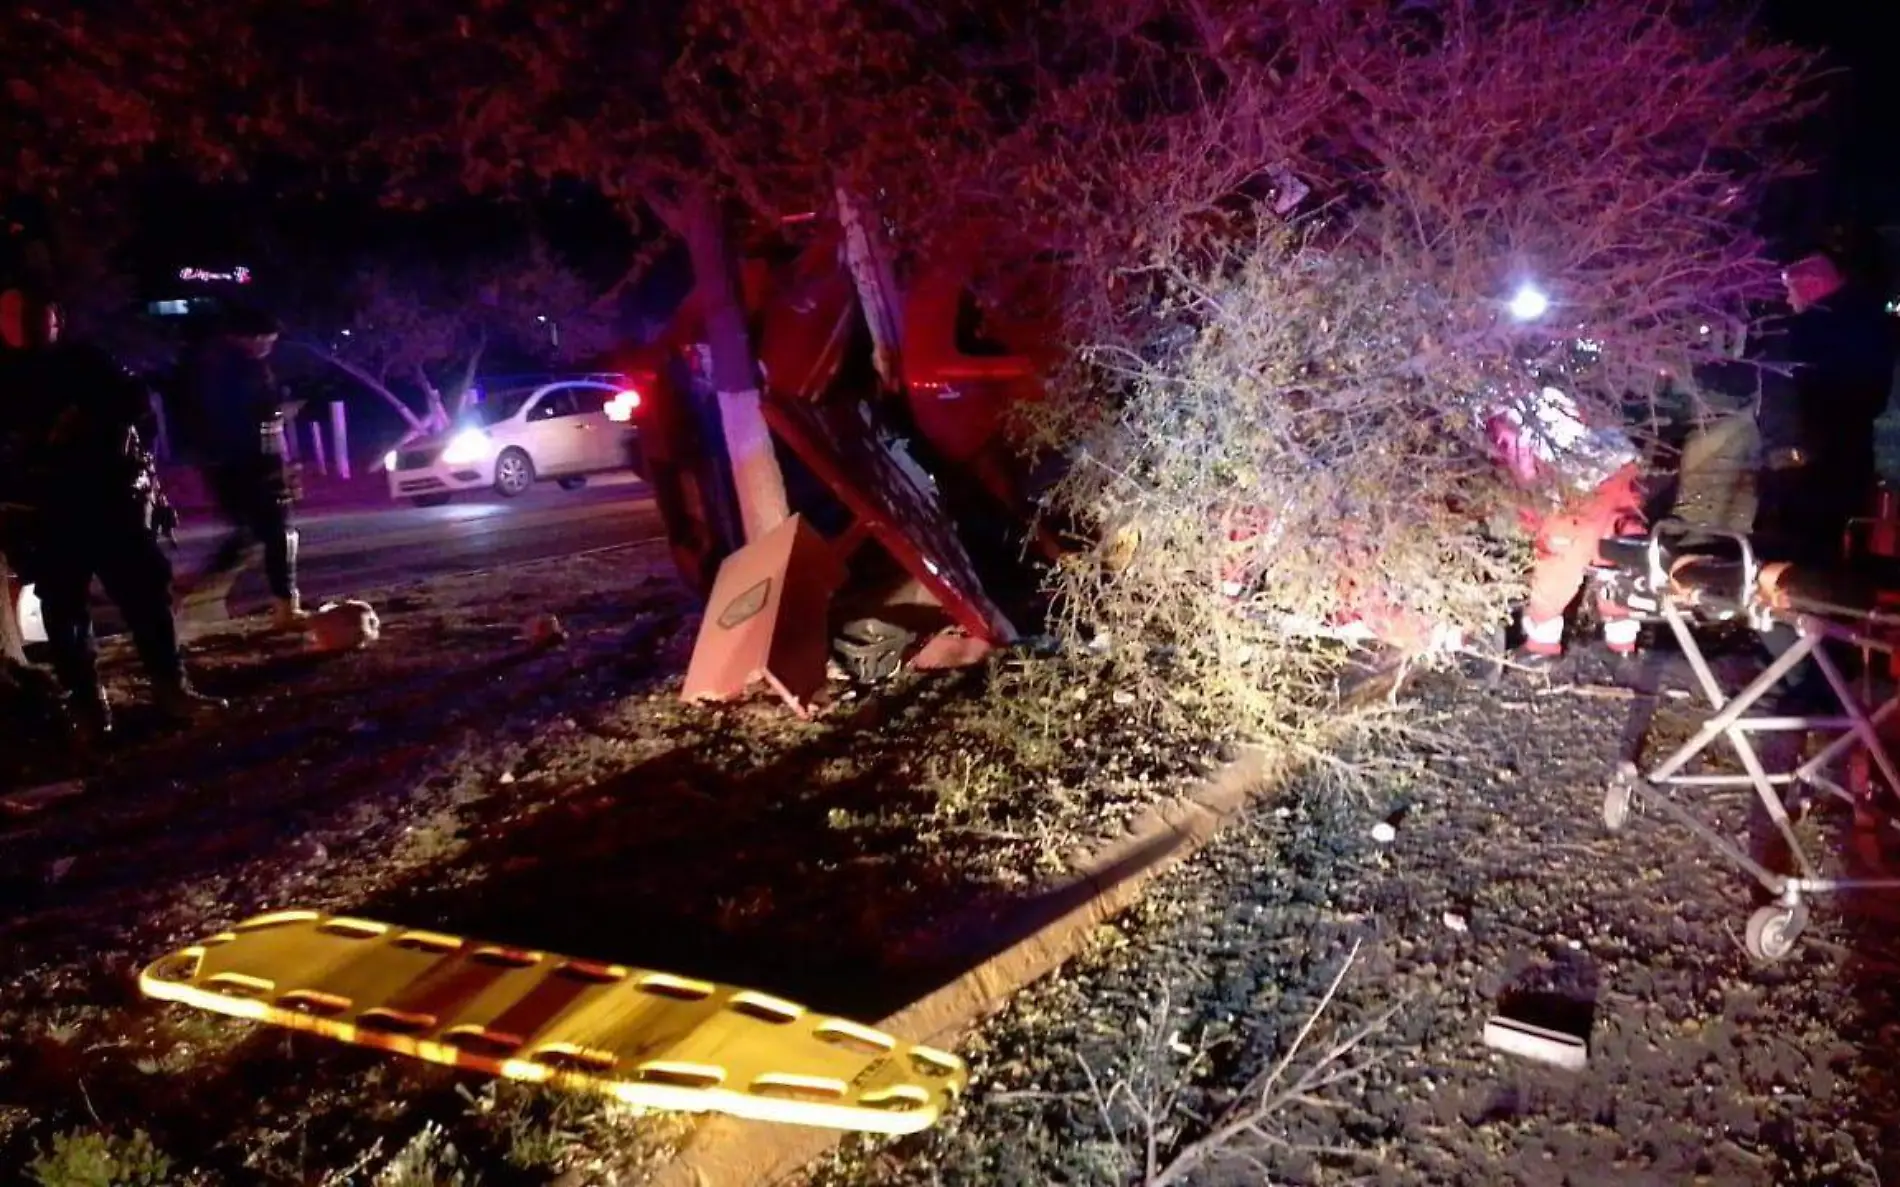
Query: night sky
{"points": [[1854, 145], [1857, 141]]}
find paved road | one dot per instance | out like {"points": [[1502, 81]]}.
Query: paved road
{"points": [[345, 552]]}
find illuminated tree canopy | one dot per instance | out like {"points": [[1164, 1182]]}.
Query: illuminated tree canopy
{"points": [[1289, 230]]}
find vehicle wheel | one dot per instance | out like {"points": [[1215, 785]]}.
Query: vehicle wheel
{"points": [[430, 500], [1772, 931], [514, 473], [574, 483]]}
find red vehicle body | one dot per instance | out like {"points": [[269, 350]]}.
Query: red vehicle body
{"points": [[809, 335]]}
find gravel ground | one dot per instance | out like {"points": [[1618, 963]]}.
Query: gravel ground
{"points": [[1501, 883], [454, 777]]}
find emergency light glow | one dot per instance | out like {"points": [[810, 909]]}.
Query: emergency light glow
{"points": [[620, 409], [1529, 303]]}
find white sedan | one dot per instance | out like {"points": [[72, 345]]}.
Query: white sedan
{"points": [[560, 431]]}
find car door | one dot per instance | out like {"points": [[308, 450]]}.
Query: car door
{"points": [[605, 447], [554, 436]]}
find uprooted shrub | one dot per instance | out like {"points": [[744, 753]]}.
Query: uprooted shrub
{"points": [[1276, 414], [1264, 478]]}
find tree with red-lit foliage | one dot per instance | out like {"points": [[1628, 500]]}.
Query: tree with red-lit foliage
{"points": [[1234, 349], [1289, 233]]}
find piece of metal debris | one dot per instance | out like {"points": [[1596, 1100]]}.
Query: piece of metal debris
{"points": [[1535, 1042], [544, 630]]}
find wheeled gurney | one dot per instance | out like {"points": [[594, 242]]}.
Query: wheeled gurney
{"points": [[1686, 577]]}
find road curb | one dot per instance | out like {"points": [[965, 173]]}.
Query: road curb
{"points": [[726, 1152]]}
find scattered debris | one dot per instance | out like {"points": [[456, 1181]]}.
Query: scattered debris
{"points": [[1535, 1042], [349, 625], [544, 630]]}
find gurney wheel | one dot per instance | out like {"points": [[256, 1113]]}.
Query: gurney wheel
{"points": [[1772, 931], [1617, 800]]}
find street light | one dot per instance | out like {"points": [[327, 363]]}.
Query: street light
{"points": [[1529, 303]]}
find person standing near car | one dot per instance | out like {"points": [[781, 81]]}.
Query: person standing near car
{"points": [[236, 417], [86, 478]]}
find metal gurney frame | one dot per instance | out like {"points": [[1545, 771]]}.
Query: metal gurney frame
{"points": [[1772, 930]]}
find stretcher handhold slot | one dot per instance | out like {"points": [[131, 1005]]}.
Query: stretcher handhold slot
{"points": [[479, 1040], [678, 988], [681, 1075], [595, 974], [507, 958], [811, 1088], [859, 1039], [182, 966], [239, 985], [426, 941], [355, 929], [568, 1058], [395, 1021], [897, 1100], [308, 1001], [765, 1009], [276, 919]]}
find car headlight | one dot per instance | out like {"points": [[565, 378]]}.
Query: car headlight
{"points": [[389, 460], [469, 445]]}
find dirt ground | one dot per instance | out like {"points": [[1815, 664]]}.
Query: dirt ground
{"points": [[455, 778], [1501, 881]]}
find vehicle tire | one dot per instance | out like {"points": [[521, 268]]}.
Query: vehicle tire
{"points": [[574, 483], [514, 473], [436, 500]]}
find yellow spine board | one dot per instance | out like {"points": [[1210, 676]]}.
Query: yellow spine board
{"points": [[647, 1038]]}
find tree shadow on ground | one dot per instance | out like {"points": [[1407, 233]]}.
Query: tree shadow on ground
{"points": [[686, 865], [153, 816]]}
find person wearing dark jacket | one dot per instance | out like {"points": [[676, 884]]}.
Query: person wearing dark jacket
{"points": [[77, 428], [236, 413], [1817, 424]]}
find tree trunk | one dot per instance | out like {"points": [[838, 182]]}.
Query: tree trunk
{"points": [[735, 370], [438, 412], [467, 383], [876, 283], [12, 640], [415, 423]]}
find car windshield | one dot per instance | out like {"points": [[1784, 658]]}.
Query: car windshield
{"points": [[500, 406]]}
